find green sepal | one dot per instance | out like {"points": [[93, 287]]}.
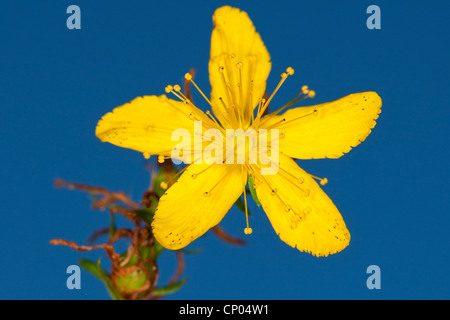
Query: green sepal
{"points": [[95, 269], [241, 205], [251, 186], [163, 291]]}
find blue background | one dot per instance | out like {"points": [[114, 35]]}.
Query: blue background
{"points": [[392, 190]]}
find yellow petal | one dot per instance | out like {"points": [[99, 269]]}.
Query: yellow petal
{"points": [[326, 130], [196, 202], [300, 212], [146, 124], [236, 46]]}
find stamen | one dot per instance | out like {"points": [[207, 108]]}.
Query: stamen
{"points": [[176, 90], [161, 159], [247, 230], [294, 181], [251, 100], [314, 113], [171, 89], [289, 71], [239, 66], [212, 118], [195, 175], [188, 77], [295, 217], [208, 193], [234, 118], [226, 85], [323, 181], [304, 91]]}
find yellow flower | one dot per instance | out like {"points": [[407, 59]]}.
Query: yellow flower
{"points": [[299, 211]]}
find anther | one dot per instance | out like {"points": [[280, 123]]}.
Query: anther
{"points": [[273, 192], [160, 159], [290, 71], [248, 230], [177, 88], [305, 89], [207, 194], [188, 76], [194, 175], [311, 94], [239, 65], [315, 112], [221, 69], [324, 181], [169, 88], [163, 185], [284, 75], [307, 192], [146, 155], [192, 116]]}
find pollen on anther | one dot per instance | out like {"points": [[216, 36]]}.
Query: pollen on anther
{"points": [[146, 155], [169, 88], [324, 181], [311, 94], [290, 71], [188, 76], [177, 88], [160, 159], [163, 185], [248, 230]]}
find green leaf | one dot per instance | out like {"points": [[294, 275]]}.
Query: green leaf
{"points": [[251, 186], [95, 269], [163, 291], [145, 214], [241, 205], [158, 248]]}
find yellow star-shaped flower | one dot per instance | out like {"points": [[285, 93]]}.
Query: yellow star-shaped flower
{"points": [[300, 212]]}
